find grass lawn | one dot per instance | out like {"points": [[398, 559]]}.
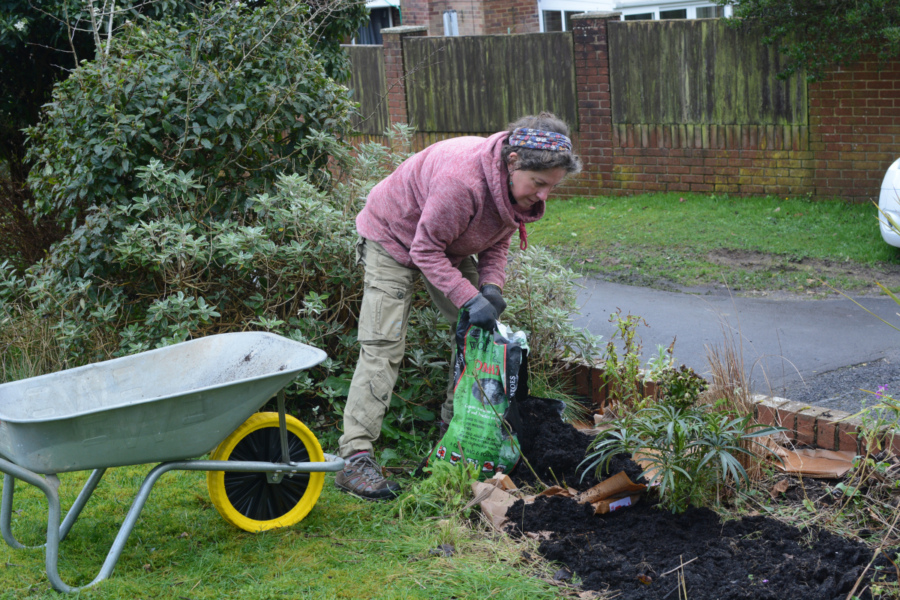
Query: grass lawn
{"points": [[345, 548], [682, 240]]}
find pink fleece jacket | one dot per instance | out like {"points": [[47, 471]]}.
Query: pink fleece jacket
{"points": [[443, 204]]}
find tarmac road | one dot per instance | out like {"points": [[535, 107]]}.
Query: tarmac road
{"points": [[817, 351]]}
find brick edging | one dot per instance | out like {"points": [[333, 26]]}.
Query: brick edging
{"points": [[806, 424], [816, 426]]}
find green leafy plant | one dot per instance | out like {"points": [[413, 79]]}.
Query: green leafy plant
{"points": [[231, 94], [658, 364], [815, 35], [623, 369], [445, 491], [681, 387], [542, 298], [691, 452]]}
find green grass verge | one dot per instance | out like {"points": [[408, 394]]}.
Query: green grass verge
{"points": [[181, 548], [698, 240]]}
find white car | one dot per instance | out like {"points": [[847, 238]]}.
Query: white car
{"points": [[889, 203]]}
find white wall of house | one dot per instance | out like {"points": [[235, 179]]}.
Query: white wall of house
{"points": [[671, 9]]}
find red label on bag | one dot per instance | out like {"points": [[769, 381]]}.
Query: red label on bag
{"points": [[487, 368]]}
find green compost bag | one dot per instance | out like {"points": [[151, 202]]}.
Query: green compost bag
{"points": [[490, 373]]}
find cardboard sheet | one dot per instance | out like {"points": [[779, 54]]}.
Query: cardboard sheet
{"points": [[616, 487], [825, 464]]}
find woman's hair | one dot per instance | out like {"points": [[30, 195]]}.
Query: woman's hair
{"points": [[532, 159]]}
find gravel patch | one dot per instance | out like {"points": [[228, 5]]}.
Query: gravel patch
{"points": [[843, 389]]}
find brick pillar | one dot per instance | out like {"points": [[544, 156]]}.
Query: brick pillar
{"points": [[589, 31], [394, 71]]}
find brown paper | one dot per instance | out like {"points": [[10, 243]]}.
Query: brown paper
{"points": [[826, 464], [557, 490], [502, 481], [779, 488], [617, 486], [494, 502]]}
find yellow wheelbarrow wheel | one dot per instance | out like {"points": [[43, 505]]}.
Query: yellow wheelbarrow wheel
{"points": [[248, 500]]}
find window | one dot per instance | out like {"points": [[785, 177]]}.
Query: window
{"points": [[680, 13], [710, 12], [640, 17], [559, 20], [451, 24], [569, 14], [553, 20], [379, 18]]}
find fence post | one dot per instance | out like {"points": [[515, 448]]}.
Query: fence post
{"points": [[591, 49], [394, 71]]}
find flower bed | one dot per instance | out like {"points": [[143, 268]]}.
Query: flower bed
{"points": [[630, 550]]}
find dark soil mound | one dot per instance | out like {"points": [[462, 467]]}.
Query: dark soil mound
{"points": [[555, 449], [751, 558]]}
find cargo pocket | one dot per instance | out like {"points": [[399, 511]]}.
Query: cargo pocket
{"points": [[384, 313], [379, 398]]}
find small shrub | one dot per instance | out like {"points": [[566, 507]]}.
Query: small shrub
{"points": [[233, 95], [623, 371], [660, 363], [681, 387], [690, 451]]}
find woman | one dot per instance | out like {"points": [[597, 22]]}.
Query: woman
{"points": [[456, 199]]}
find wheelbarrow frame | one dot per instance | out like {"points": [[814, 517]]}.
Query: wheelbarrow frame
{"points": [[57, 532]]}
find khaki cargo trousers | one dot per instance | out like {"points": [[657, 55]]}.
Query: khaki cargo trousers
{"points": [[383, 320]]}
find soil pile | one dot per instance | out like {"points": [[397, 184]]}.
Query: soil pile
{"points": [[555, 449], [752, 558]]}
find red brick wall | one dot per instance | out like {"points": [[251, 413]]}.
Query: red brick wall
{"points": [[733, 159], [852, 137], [593, 140], [855, 129], [394, 70], [469, 16], [415, 12], [511, 16]]}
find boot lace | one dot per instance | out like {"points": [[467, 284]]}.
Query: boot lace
{"points": [[369, 469]]}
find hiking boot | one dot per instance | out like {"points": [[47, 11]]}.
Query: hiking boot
{"points": [[362, 477]]}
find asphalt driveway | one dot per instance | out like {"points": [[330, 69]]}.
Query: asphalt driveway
{"points": [[822, 352]]}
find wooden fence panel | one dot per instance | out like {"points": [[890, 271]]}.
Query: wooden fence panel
{"points": [[369, 87], [698, 72], [479, 84]]}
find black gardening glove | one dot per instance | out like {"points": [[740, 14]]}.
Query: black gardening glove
{"points": [[495, 297], [482, 313]]}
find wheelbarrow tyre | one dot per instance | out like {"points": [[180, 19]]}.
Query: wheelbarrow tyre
{"points": [[248, 500]]}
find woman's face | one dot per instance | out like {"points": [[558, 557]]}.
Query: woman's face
{"points": [[528, 187]]}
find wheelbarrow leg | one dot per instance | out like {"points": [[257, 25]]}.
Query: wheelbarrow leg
{"points": [[13, 472], [80, 501], [9, 486]]}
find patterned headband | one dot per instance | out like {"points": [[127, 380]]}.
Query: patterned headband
{"points": [[540, 140]]}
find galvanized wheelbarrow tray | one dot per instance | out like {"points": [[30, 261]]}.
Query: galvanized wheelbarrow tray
{"points": [[167, 406]]}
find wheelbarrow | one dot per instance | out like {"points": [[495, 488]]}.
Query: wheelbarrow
{"points": [[167, 406]]}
